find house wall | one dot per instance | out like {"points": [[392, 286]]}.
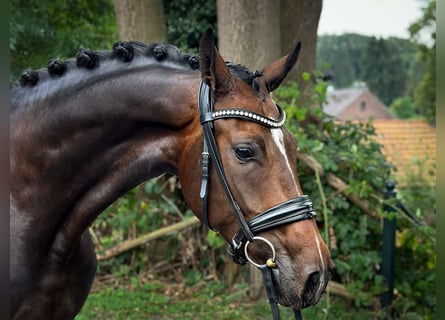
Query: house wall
{"points": [[364, 107]]}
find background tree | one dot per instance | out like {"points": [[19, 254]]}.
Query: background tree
{"points": [[42, 29], [382, 73], [403, 108], [423, 32], [341, 56], [346, 57], [255, 33], [187, 20], [141, 20], [249, 32], [299, 22]]}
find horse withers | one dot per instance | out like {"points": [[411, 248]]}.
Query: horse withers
{"points": [[86, 130]]}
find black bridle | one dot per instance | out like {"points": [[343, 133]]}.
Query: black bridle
{"points": [[290, 211]]}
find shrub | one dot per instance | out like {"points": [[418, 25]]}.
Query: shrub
{"points": [[349, 150]]}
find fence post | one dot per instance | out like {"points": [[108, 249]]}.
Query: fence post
{"points": [[388, 247]]}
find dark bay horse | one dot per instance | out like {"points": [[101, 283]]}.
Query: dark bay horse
{"points": [[87, 130]]}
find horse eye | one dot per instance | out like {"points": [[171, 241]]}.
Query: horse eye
{"points": [[244, 153]]}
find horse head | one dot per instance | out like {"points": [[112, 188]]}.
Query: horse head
{"points": [[258, 161]]}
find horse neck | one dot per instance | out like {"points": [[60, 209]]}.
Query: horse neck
{"points": [[152, 94], [100, 140]]}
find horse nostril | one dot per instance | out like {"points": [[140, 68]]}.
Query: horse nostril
{"points": [[331, 269], [312, 284]]}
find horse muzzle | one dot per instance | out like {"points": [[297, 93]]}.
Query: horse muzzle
{"points": [[299, 277], [299, 290]]}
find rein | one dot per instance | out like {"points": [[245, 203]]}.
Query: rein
{"points": [[290, 211]]}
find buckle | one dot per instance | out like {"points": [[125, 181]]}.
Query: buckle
{"points": [[235, 245], [235, 252]]}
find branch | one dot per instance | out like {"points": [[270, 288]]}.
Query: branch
{"points": [[339, 290], [336, 183], [130, 244]]}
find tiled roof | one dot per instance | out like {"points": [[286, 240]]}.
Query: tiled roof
{"points": [[406, 144]]}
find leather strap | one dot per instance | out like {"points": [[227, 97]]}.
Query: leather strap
{"points": [[270, 291], [205, 105], [293, 210], [272, 296], [284, 213], [205, 163], [297, 314]]}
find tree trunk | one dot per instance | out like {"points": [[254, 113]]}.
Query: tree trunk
{"points": [[299, 22], [141, 20], [249, 32], [255, 33]]}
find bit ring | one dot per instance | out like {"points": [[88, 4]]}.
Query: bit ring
{"points": [[270, 262]]}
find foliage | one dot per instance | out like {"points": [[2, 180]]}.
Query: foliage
{"points": [[152, 205], [348, 150], [417, 192], [381, 71], [403, 108], [187, 20], [40, 30], [416, 245], [45, 29], [423, 31]]}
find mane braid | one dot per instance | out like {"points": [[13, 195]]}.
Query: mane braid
{"points": [[125, 51], [244, 73], [56, 67]]}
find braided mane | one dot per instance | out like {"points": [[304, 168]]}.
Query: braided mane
{"points": [[124, 52]]}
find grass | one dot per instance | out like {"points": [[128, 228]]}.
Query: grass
{"points": [[163, 301], [210, 300]]}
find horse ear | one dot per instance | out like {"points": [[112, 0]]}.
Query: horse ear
{"points": [[275, 73], [214, 71]]}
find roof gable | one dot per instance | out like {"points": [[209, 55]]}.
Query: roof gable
{"points": [[339, 100], [355, 104]]}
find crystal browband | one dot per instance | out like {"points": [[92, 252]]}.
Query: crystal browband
{"points": [[247, 115]]}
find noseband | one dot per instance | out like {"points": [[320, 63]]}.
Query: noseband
{"points": [[290, 211]]}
